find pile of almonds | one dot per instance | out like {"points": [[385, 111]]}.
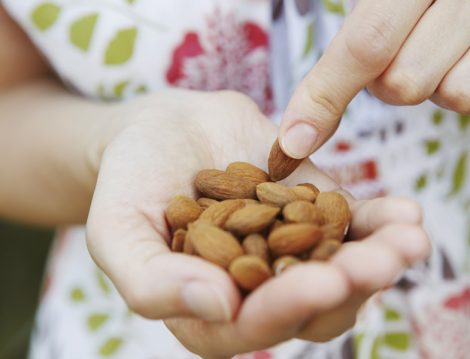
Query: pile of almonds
{"points": [[255, 228]]}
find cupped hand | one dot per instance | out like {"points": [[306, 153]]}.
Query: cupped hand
{"points": [[168, 139], [404, 52]]}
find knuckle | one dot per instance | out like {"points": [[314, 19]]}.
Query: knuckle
{"points": [[324, 105], [455, 96], [404, 88], [371, 43]]}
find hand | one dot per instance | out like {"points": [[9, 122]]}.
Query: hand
{"points": [[404, 52], [170, 137]]}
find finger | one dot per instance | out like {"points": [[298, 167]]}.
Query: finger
{"points": [[370, 215], [365, 46], [443, 35], [453, 92]]}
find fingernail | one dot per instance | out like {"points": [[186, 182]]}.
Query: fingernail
{"points": [[206, 302], [299, 140]]}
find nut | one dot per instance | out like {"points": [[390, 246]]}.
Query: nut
{"points": [[181, 211], [249, 271], [325, 249], [252, 218], [284, 262], [302, 212], [220, 185], [294, 238], [255, 244], [214, 244], [275, 194], [188, 247], [219, 212], [304, 192], [334, 207], [205, 202], [248, 172], [335, 231], [177, 243], [280, 165]]}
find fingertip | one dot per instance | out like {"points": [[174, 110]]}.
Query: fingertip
{"points": [[299, 140]]}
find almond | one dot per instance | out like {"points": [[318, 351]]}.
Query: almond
{"points": [[249, 271], [302, 212], [256, 245], [294, 238], [325, 249], [305, 193], [220, 185], [177, 243], [334, 207], [335, 231], [181, 211], [219, 212], [251, 219], [188, 247], [275, 194], [280, 165], [247, 171], [310, 186], [205, 202], [250, 201], [214, 244], [277, 223], [282, 263]]}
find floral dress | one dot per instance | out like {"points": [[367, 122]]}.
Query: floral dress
{"points": [[119, 49]]}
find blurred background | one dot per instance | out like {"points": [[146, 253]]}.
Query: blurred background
{"points": [[23, 252]]}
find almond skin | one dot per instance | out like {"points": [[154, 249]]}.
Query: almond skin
{"points": [[177, 243], [334, 207], [188, 247], [294, 238], [284, 262], [214, 244], [252, 218], [249, 271], [255, 244], [279, 164], [311, 187], [220, 185], [181, 211], [305, 193], [205, 202], [325, 249], [302, 212], [335, 231], [275, 194], [247, 171], [219, 212]]}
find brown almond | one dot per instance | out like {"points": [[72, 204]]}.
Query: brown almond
{"points": [[219, 212], [275, 194], [294, 238], [280, 165], [205, 202], [177, 242], [277, 223], [252, 218], [305, 193], [284, 262], [310, 186], [181, 211], [188, 247], [220, 185], [249, 271], [334, 207], [247, 171], [255, 244], [250, 201], [302, 212], [325, 249], [214, 244], [335, 231]]}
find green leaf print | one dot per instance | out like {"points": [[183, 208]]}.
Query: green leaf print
{"points": [[141, 89], [437, 117], [45, 15], [119, 88], [334, 6], [309, 39], [391, 314], [398, 341], [460, 172], [102, 282], [95, 321], [421, 182], [81, 31], [464, 121], [131, 2], [77, 295], [121, 47], [432, 146], [110, 346]]}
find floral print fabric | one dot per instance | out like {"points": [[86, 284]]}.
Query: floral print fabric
{"points": [[118, 49]]}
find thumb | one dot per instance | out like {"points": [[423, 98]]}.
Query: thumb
{"points": [[361, 51]]}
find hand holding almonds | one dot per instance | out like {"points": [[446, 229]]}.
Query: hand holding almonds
{"points": [[255, 228]]}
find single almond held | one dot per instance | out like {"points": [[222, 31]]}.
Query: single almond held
{"points": [[181, 211], [249, 271], [302, 212], [214, 244], [279, 164], [294, 238], [219, 212], [252, 218], [256, 245], [220, 185], [275, 194]]}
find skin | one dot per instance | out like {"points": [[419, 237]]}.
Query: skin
{"points": [[404, 52], [130, 159]]}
